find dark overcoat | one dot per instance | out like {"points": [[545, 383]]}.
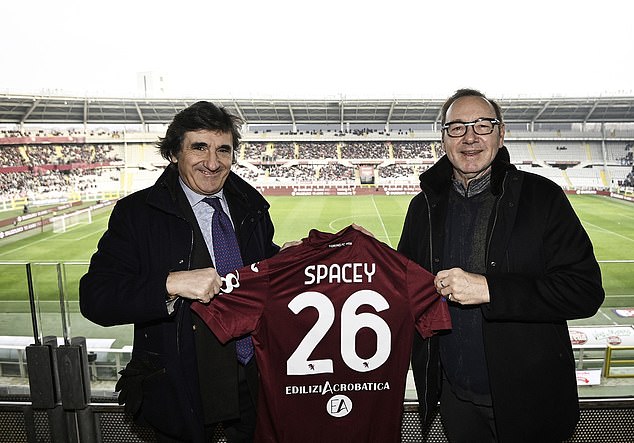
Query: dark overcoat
{"points": [[150, 234], [541, 271]]}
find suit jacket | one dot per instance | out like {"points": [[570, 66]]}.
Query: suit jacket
{"points": [[541, 271], [151, 233]]}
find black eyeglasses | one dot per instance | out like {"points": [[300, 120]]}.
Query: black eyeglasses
{"points": [[481, 126]]}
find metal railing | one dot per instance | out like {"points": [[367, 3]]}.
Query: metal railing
{"points": [[619, 361]]}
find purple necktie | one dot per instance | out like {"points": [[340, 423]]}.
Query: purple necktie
{"points": [[227, 258]]}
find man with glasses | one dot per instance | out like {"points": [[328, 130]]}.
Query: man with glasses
{"points": [[513, 262]]}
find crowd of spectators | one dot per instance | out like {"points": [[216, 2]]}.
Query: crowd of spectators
{"points": [[367, 150], [10, 156], [318, 150], [266, 163], [335, 172], [10, 133], [300, 173], [40, 155], [629, 180], [296, 173], [269, 151], [332, 171], [248, 174], [41, 178], [397, 171], [628, 158], [271, 158], [282, 151], [412, 150], [339, 133], [253, 151], [24, 184], [70, 132]]}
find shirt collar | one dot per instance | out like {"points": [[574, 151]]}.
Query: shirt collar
{"points": [[194, 197], [475, 186]]}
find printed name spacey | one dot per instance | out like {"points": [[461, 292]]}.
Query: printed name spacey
{"points": [[339, 273]]}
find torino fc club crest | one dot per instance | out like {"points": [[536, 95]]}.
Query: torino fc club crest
{"points": [[339, 406]]}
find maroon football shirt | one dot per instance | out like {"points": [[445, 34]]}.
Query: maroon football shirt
{"points": [[332, 321]]}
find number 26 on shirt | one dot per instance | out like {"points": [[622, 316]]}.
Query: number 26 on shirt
{"points": [[351, 322]]}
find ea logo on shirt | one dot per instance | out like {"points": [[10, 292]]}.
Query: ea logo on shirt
{"points": [[339, 406]]}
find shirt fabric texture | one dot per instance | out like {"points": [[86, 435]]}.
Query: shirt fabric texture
{"points": [[332, 321]]}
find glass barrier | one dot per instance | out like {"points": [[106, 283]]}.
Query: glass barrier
{"points": [[40, 305], [54, 313]]}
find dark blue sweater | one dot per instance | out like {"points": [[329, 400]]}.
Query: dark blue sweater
{"points": [[462, 350]]}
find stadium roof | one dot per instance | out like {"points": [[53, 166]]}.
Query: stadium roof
{"points": [[33, 110]]}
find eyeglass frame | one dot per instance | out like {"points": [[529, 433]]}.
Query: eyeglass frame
{"points": [[493, 121]]}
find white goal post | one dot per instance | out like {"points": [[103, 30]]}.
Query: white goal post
{"points": [[64, 222]]}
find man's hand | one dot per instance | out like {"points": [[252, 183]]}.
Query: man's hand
{"points": [[291, 243], [462, 287], [362, 229], [197, 284]]}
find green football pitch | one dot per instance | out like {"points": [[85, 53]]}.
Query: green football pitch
{"points": [[59, 259]]}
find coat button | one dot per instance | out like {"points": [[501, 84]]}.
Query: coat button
{"points": [[436, 260], [193, 327], [493, 264]]}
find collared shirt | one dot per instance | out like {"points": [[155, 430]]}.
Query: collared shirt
{"points": [[204, 212], [475, 186]]}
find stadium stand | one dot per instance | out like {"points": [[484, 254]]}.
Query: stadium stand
{"points": [[290, 147], [39, 169]]}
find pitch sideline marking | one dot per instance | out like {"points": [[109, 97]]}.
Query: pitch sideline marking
{"points": [[31, 244], [54, 236], [608, 231], [387, 236], [614, 322]]}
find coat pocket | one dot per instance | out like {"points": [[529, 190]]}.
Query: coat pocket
{"points": [[149, 395]]}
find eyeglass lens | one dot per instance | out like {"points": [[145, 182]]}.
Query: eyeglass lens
{"points": [[458, 129]]}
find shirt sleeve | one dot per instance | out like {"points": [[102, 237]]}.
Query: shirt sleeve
{"points": [[429, 309]]}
